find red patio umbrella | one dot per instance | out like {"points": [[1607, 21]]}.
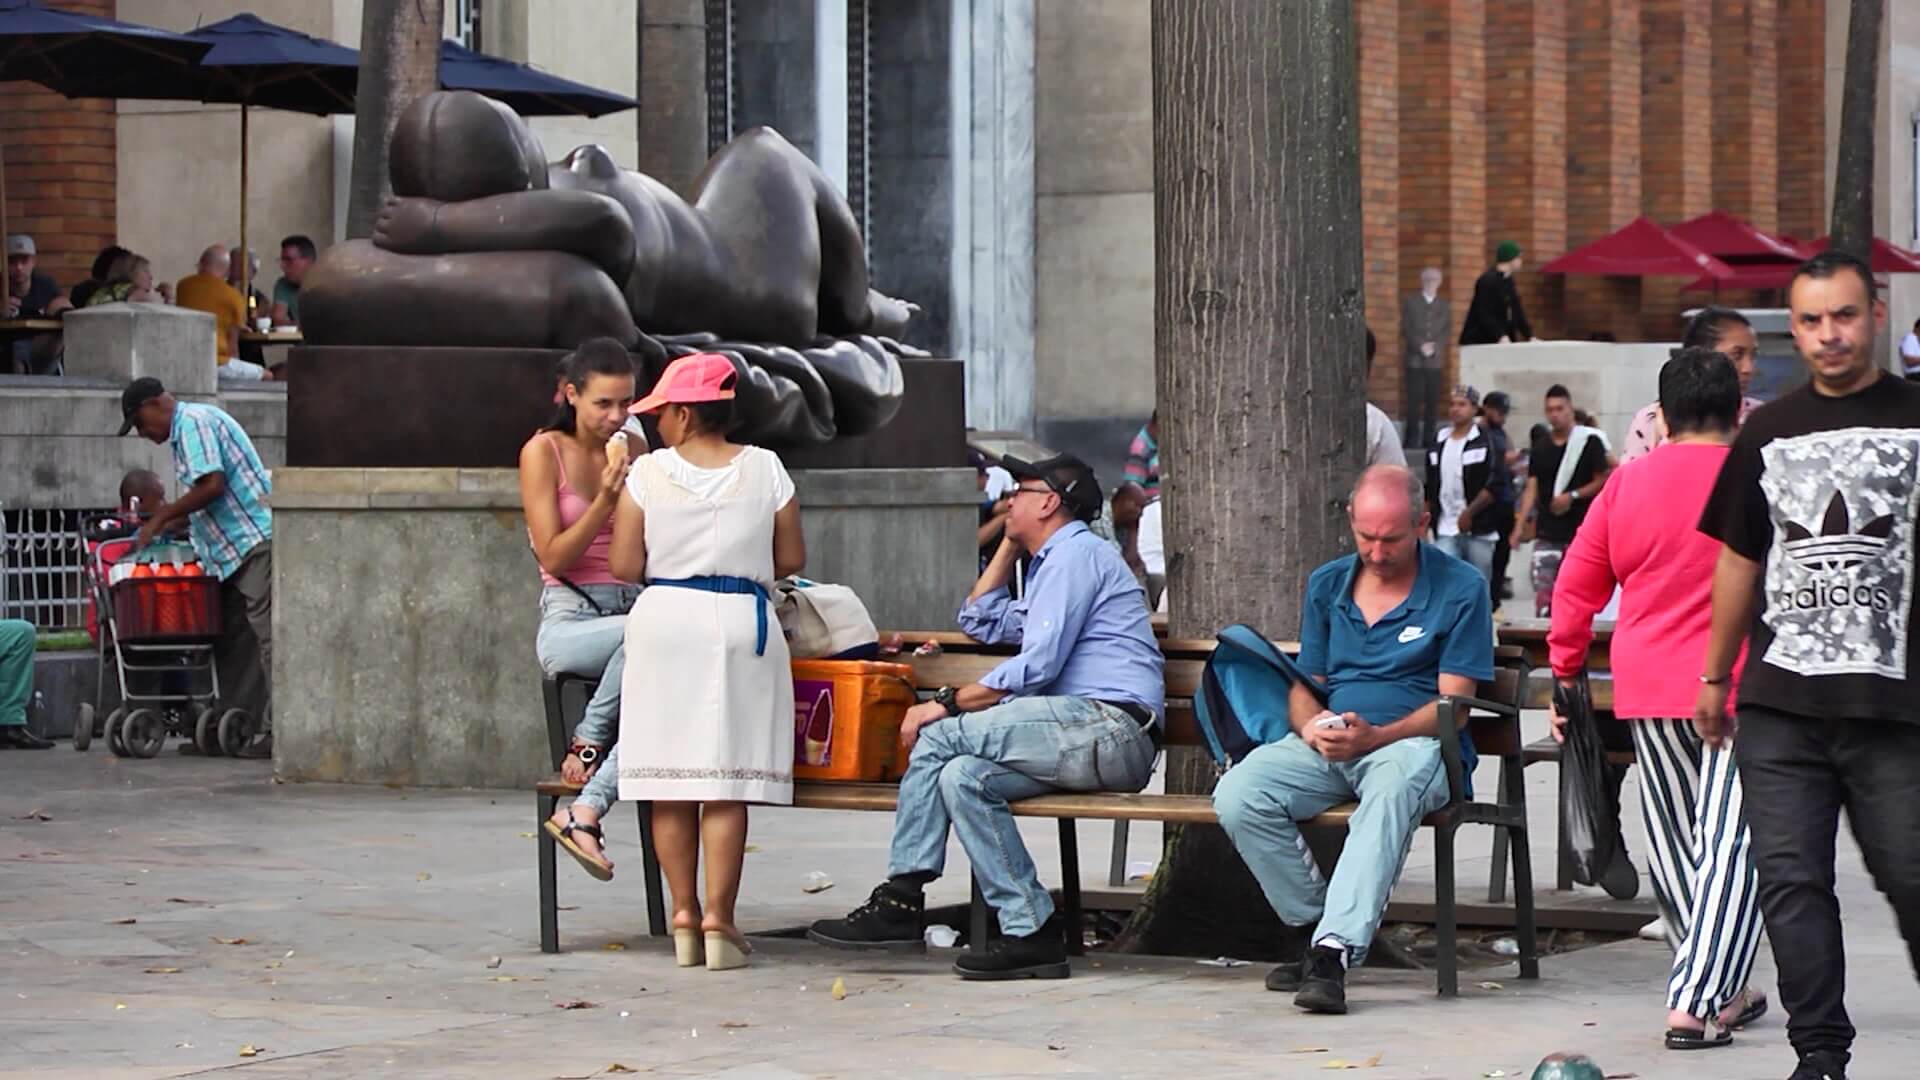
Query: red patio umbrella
{"points": [[1641, 249], [1887, 259], [1735, 240]]}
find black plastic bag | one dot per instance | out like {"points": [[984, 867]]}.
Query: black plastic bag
{"points": [[1589, 794]]}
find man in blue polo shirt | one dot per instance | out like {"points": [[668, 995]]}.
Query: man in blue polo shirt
{"points": [[1075, 711], [225, 506], [1385, 633]]}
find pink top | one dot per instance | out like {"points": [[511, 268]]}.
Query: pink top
{"points": [[592, 567], [1641, 535]]}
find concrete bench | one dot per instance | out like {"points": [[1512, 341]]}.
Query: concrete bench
{"points": [[1493, 720]]}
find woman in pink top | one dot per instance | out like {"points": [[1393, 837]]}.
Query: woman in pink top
{"points": [[571, 473], [1640, 535]]}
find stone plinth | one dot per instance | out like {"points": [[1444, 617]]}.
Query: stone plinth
{"points": [[1610, 381], [123, 342], [406, 602]]}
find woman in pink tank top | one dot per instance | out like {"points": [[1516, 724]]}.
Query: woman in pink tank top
{"points": [[571, 475]]}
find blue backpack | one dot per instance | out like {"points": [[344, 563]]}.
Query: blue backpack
{"points": [[1242, 701]]}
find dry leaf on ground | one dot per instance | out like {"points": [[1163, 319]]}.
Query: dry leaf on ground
{"points": [[615, 946], [423, 876], [575, 1004], [492, 962], [616, 1067], [35, 815], [251, 1050], [163, 971], [225, 940], [504, 978], [123, 922], [734, 1024], [1309, 1050], [184, 900], [839, 988], [1492, 986]]}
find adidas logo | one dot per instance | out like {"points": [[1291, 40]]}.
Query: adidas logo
{"points": [[1838, 547]]}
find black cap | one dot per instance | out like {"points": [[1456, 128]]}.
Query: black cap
{"points": [[1068, 477], [138, 393], [1497, 399]]}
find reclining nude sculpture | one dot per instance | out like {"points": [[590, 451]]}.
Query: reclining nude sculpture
{"points": [[486, 244]]}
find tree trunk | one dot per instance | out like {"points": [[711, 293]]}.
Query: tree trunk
{"points": [[1260, 368], [1853, 171], [399, 61]]}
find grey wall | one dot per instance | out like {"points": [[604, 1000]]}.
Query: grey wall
{"points": [[774, 70], [911, 158]]}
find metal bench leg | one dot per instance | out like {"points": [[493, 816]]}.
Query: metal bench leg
{"points": [[1523, 921], [1444, 907], [1502, 839], [979, 915], [1070, 886], [1117, 868], [650, 870], [545, 851]]}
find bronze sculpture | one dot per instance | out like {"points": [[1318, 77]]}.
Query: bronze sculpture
{"points": [[486, 244]]}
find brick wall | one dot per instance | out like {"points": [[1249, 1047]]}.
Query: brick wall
{"points": [[1676, 131], [1603, 157], [1527, 146], [1800, 34], [1379, 37], [60, 174], [1443, 148], [1745, 104]]}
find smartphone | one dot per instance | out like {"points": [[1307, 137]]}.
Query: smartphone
{"points": [[1330, 721]]}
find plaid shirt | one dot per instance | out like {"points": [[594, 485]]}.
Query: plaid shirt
{"points": [[1143, 462], [206, 440]]}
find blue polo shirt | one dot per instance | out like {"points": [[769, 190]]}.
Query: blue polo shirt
{"points": [[1389, 669]]}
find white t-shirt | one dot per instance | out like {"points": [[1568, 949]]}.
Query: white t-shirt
{"points": [[1150, 541], [1453, 490], [711, 483], [1383, 443], [1910, 352]]}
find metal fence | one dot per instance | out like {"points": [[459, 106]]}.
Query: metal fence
{"points": [[42, 558]]}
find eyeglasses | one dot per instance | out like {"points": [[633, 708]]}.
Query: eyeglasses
{"points": [[1033, 490]]}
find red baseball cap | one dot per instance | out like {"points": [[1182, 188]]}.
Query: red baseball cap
{"points": [[690, 380]]}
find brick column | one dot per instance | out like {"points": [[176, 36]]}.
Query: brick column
{"points": [[1527, 147], [1800, 35], [1745, 109], [59, 157], [1676, 138], [1379, 35], [1443, 148], [1603, 157]]}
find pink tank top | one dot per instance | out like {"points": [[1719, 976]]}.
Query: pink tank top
{"points": [[592, 568]]}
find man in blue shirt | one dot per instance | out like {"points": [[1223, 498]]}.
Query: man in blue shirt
{"points": [[1385, 633], [225, 506], [1076, 710]]}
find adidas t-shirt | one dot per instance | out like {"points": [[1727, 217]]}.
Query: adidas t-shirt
{"points": [[1824, 491]]}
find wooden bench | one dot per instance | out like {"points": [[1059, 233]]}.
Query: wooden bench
{"points": [[1493, 720]]}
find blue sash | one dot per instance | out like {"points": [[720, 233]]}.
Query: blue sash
{"points": [[733, 585]]}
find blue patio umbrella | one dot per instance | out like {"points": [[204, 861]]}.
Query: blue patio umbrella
{"points": [[526, 90], [81, 56]]}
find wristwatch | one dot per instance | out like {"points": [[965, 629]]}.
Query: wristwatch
{"points": [[948, 698]]}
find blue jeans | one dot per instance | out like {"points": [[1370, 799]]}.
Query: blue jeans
{"points": [[1476, 551], [1261, 798], [965, 770], [574, 638]]}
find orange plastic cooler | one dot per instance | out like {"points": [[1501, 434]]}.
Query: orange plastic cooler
{"points": [[846, 719]]}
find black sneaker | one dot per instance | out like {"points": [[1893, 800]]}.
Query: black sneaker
{"points": [[18, 737], [1287, 977], [1323, 986], [892, 919], [1820, 1066], [1039, 955]]}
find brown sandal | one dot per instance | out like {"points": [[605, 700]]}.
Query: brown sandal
{"points": [[598, 869]]}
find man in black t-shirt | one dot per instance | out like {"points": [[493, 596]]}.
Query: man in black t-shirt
{"points": [[31, 295], [1568, 468], [1816, 507]]}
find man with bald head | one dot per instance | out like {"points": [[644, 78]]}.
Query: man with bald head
{"points": [[207, 290], [1385, 632]]}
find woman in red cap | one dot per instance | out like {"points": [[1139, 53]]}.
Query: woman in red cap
{"points": [[708, 525]]}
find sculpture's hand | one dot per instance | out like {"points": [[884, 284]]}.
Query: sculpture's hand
{"points": [[404, 225]]}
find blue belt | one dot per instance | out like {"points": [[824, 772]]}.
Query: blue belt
{"points": [[717, 583]]}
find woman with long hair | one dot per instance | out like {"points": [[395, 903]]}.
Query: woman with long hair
{"points": [[571, 473], [709, 525], [1640, 535]]}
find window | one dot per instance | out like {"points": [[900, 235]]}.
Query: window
{"points": [[466, 22]]}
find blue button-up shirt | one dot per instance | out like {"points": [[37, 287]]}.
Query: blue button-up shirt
{"points": [[206, 440], [1385, 671], [1082, 627]]}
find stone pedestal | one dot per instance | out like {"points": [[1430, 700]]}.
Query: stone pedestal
{"points": [[406, 602], [123, 342], [1610, 381]]}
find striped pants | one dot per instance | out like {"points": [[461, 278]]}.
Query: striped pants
{"points": [[1702, 864]]}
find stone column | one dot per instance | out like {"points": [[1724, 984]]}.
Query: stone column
{"points": [[1527, 147], [672, 116], [1379, 33], [1676, 138], [1603, 163], [1443, 147]]}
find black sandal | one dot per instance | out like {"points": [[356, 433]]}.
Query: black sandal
{"points": [[563, 834], [1708, 1039]]}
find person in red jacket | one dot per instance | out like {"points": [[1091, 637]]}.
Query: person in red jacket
{"points": [[1690, 792]]}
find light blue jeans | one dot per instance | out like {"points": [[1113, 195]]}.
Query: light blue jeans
{"points": [[1261, 798], [965, 770], [1476, 551], [574, 638]]}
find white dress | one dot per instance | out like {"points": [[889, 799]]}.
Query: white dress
{"points": [[701, 717]]}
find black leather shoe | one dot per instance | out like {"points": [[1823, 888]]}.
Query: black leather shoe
{"points": [[1039, 955], [1323, 987], [1287, 977], [19, 738], [892, 919], [1820, 1066]]}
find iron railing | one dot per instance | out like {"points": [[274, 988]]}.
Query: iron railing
{"points": [[43, 554]]}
